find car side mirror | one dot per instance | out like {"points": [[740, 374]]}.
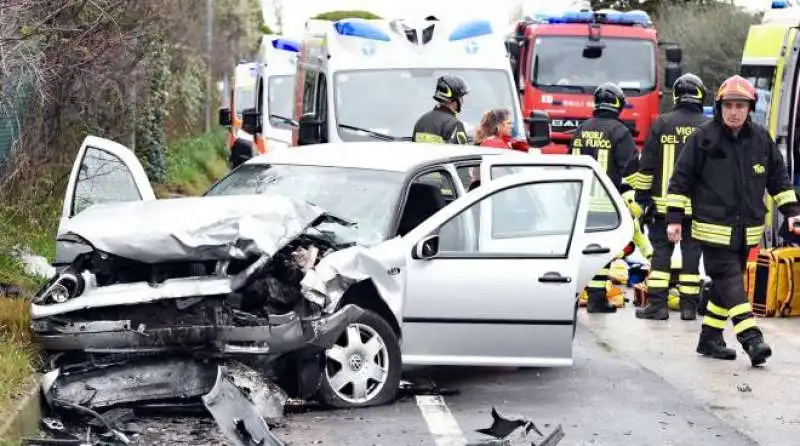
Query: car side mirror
{"points": [[251, 121], [427, 248], [538, 129], [309, 130], [225, 118]]}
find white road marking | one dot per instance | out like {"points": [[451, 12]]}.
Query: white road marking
{"points": [[440, 421]]}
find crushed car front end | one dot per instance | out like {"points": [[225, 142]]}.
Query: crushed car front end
{"points": [[190, 285]]}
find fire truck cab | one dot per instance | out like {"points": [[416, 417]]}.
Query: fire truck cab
{"points": [[559, 59], [361, 80], [269, 117]]}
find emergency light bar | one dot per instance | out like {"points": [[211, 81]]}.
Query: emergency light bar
{"points": [[360, 28], [604, 16], [780, 4], [286, 45], [471, 29], [708, 111]]}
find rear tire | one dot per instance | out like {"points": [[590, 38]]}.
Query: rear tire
{"points": [[364, 366]]}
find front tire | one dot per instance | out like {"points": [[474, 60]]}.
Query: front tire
{"points": [[363, 367]]}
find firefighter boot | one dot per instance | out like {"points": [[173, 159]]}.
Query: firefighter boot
{"points": [[655, 310], [753, 344], [688, 307], [712, 344], [597, 302]]}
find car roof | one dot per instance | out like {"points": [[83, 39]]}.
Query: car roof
{"points": [[373, 155]]}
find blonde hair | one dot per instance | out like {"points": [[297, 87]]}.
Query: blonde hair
{"points": [[490, 124]]}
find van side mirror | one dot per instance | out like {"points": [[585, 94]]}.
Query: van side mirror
{"points": [[512, 46], [538, 129], [225, 118], [251, 121], [309, 130]]}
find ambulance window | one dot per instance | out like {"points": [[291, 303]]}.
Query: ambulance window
{"points": [[309, 92]]}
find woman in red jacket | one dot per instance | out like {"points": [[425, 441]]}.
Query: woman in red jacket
{"points": [[494, 129]]}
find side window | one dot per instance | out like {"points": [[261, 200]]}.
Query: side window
{"points": [[520, 220], [103, 178], [309, 92], [468, 174], [602, 215], [441, 179], [322, 105]]}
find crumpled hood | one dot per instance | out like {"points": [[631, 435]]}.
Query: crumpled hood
{"points": [[194, 228]]}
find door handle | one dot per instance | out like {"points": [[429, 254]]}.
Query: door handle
{"points": [[554, 277], [594, 248]]}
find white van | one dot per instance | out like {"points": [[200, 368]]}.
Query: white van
{"points": [[372, 79]]}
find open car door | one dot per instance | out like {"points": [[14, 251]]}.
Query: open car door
{"points": [[104, 172], [609, 225], [507, 295]]}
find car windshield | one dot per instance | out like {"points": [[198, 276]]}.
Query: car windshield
{"points": [[366, 197], [559, 65], [389, 101], [280, 91]]}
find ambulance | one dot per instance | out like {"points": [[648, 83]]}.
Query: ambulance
{"points": [[242, 96], [362, 80], [769, 61], [269, 117]]}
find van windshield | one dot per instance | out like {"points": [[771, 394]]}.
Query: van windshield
{"points": [[280, 93], [390, 101], [559, 65]]}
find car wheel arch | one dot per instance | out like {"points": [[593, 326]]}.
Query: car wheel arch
{"points": [[366, 295]]}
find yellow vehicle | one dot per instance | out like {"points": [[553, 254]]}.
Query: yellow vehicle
{"points": [[770, 62], [242, 97]]}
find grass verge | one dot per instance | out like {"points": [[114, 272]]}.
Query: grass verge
{"points": [[193, 164]]}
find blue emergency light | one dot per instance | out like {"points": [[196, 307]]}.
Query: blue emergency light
{"points": [[471, 29], [708, 111], [286, 45], [610, 17], [779, 4], [360, 28]]}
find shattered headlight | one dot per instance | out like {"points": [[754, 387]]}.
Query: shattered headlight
{"points": [[65, 286]]}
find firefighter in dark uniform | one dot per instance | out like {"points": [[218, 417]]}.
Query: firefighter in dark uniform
{"points": [[667, 137], [441, 125], [606, 139], [724, 169]]}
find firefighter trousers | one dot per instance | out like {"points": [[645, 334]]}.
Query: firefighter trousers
{"points": [[728, 298], [660, 265]]}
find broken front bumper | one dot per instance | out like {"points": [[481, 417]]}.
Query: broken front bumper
{"points": [[280, 334]]}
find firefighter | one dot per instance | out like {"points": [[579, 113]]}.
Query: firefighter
{"points": [[724, 169], [605, 138], [442, 125], [667, 137]]}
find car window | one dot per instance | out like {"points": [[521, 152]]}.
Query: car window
{"points": [[443, 180], [534, 219], [467, 174], [603, 214], [103, 178]]}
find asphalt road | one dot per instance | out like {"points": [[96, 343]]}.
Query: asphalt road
{"points": [[633, 383], [616, 394]]}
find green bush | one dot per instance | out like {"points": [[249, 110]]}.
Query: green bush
{"points": [[346, 14]]}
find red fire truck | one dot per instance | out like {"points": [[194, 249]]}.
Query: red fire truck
{"points": [[558, 60]]}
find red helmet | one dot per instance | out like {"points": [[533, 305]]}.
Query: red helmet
{"points": [[737, 88]]}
